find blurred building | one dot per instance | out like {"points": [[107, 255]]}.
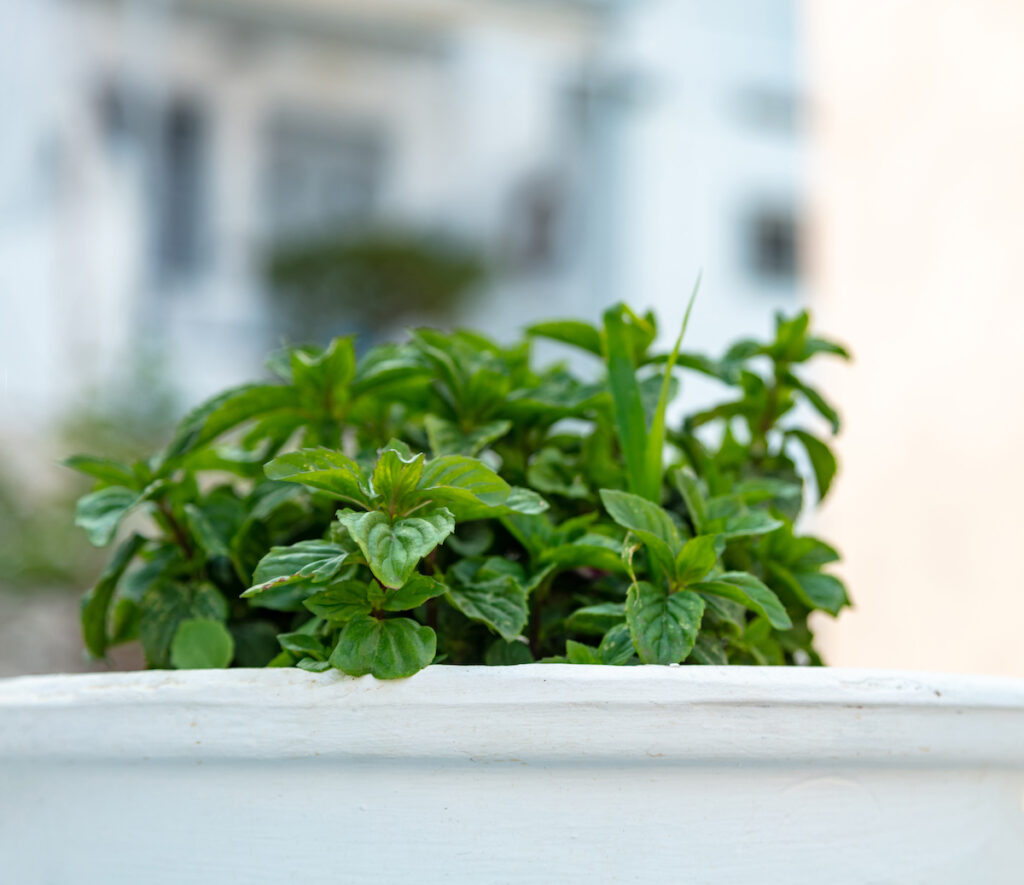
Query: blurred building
{"points": [[591, 150]]}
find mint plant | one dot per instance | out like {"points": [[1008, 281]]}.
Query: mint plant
{"points": [[443, 500]]}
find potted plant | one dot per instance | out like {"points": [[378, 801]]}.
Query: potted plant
{"points": [[444, 502]]}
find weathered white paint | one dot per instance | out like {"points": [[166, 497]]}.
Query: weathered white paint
{"points": [[539, 773]]}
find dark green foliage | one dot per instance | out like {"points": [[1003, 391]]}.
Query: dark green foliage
{"points": [[377, 278], [443, 500]]}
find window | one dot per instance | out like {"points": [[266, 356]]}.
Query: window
{"points": [[170, 138], [320, 173], [772, 245], [180, 198]]}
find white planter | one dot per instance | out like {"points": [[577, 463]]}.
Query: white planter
{"points": [[539, 773]]}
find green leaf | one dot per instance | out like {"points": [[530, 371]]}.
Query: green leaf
{"points": [[389, 649], [395, 479], [302, 644], [312, 665], [525, 501], [393, 547], [341, 602], [764, 488], [814, 588], [500, 603], [616, 647], [589, 551], [228, 410], [200, 644], [597, 619], [101, 512], [817, 401], [323, 469], [708, 650], [96, 603], [750, 592], [205, 533], [507, 654], [649, 522], [323, 379], [823, 462], [551, 471], [316, 561], [823, 345], [466, 486], [693, 496], [663, 625], [575, 332], [696, 559], [417, 590], [165, 606], [578, 653], [447, 438], [110, 472], [755, 522], [255, 643]]}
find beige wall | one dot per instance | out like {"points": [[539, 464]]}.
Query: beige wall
{"points": [[918, 263]]}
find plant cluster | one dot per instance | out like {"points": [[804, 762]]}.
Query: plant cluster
{"points": [[442, 500]]}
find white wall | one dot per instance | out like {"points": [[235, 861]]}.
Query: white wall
{"points": [[919, 196]]}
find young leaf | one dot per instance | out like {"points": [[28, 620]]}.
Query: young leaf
{"points": [[201, 643], [395, 479], [663, 625], [696, 559], [393, 547], [750, 592], [389, 649]]}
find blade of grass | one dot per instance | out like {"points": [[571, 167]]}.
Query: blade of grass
{"points": [[655, 447], [627, 405]]}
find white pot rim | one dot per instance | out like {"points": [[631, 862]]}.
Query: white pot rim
{"points": [[527, 713]]}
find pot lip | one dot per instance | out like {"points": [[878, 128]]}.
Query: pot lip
{"points": [[548, 714], [783, 686]]}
